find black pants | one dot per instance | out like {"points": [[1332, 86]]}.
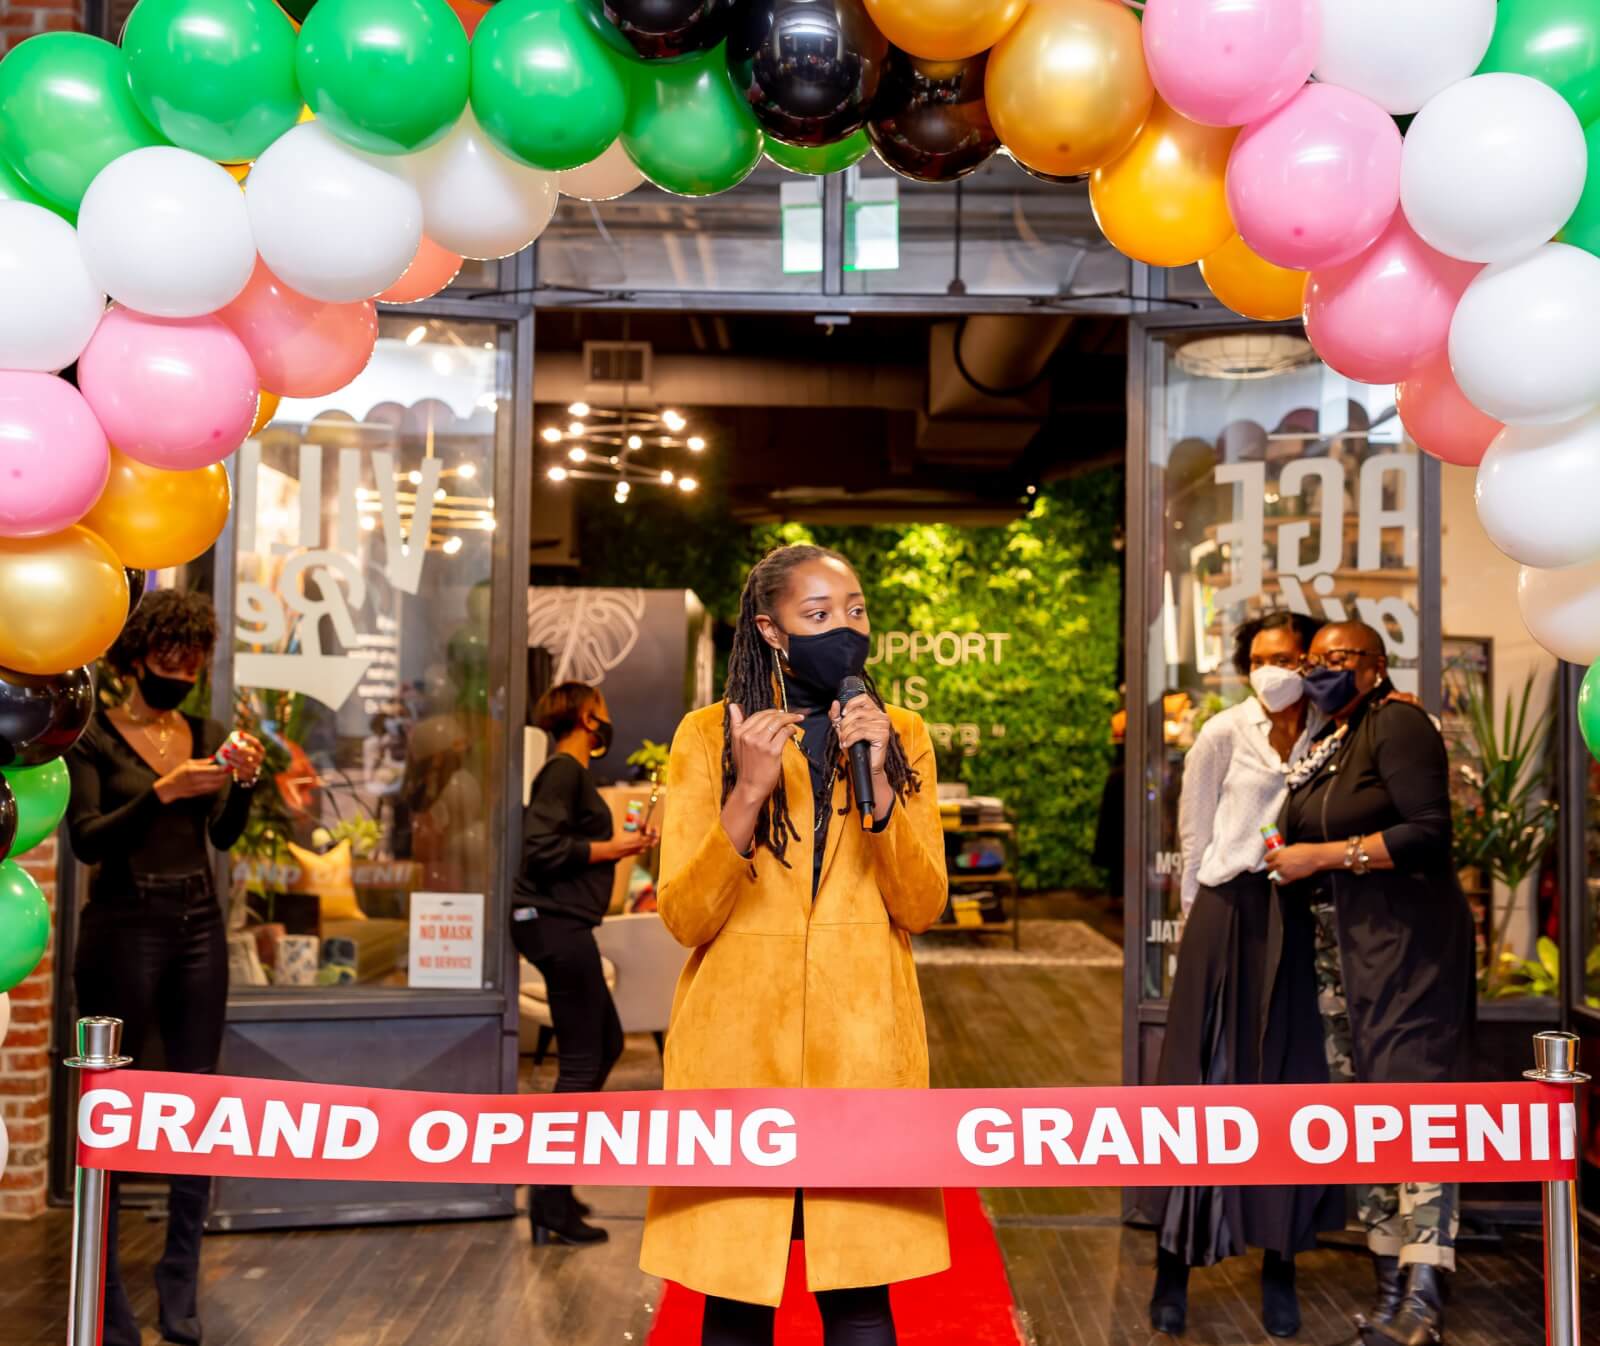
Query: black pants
{"points": [[160, 965], [588, 1031]]}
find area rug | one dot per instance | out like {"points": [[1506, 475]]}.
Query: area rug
{"points": [[969, 1305], [1043, 944]]}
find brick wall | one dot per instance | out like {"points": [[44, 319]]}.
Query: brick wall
{"points": [[24, 18]]}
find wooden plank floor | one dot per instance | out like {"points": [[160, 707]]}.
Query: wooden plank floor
{"points": [[1081, 1278]]}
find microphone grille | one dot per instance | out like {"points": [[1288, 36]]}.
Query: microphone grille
{"points": [[850, 688]]}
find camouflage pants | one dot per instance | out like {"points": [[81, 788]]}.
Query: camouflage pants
{"points": [[1414, 1221]]}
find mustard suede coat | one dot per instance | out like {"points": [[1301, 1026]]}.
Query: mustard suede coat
{"points": [[786, 992]]}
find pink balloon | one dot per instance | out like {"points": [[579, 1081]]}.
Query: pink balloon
{"points": [[1436, 413], [1317, 181], [53, 455], [1229, 62], [177, 393], [301, 347], [430, 271], [1378, 316]]}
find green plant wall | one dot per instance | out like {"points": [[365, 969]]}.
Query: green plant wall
{"points": [[1005, 639]]}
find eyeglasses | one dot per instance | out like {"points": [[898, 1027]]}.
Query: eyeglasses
{"points": [[1337, 659]]}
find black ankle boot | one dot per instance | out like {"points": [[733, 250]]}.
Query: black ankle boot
{"points": [[554, 1218], [1280, 1306], [1169, 1304], [1419, 1319]]}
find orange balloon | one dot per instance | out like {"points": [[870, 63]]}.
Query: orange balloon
{"points": [[154, 518], [238, 171], [66, 598], [266, 409], [1067, 87], [1164, 202], [944, 30], [1252, 286], [430, 271], [470, 12]]}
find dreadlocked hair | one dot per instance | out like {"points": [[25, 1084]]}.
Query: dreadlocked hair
{"points": [[750, 686]]}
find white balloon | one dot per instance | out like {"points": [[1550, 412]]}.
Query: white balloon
{"points": [[1536, 490], [478, 201], [329, 221], [166, 232], [1400, 53], [1492, 167], [5, 1145], [1561, 609], [49, 307], [1522, 341], [612, 175]]}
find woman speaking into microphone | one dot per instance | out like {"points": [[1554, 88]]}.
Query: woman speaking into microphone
{"points": [[799, 907]]}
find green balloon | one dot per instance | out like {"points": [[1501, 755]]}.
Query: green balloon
{"points": [[214, 76], [387, 76], [543, 85], [24, 925], [822, 159], [13, 188], [41, 793], [1589, 710], [687, 128], [1557, 41], [66, 112]]}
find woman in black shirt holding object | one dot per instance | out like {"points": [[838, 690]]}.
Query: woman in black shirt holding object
{"points": [[147, 796], [560, 895]]}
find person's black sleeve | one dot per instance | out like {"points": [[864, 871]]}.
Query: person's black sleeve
{"points": [[550, 847], [227, 822], [1416, 772], [93, 833]]}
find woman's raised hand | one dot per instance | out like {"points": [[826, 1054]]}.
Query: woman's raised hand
{"points": [[758, 743]]}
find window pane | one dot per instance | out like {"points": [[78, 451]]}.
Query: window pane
{"points": [[1274, 483], [365, 544]]}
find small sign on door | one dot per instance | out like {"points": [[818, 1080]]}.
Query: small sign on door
{"points": [[446, 940]]}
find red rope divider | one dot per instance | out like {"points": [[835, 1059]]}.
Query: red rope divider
{"points": [[144, 1122]]}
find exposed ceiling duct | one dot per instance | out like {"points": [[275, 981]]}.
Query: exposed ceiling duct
{"points": [[987, 395]]}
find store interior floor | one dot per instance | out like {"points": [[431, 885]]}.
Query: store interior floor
{"points": [[1079, 1277]]}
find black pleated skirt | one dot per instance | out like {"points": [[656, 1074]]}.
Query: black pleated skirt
{"points": [[1239, 1016]]}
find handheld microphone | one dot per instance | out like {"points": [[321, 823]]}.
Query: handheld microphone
{"points": [[860, 754]]}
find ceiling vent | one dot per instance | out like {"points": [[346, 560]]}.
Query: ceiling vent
{"points": [[613, 364]]}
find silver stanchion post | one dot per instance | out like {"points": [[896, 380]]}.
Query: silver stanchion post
{"points": [[1556, 1062], [98, 1044]]}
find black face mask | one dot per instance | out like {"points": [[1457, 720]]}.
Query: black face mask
{"points": [[820, 663], [603, 733], [163, 693], [1331, 689]]}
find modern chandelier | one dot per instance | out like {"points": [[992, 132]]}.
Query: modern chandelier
{"points": [[610, 444]]}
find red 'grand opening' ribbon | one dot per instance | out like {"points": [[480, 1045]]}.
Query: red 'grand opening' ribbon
{"points": [[135, 1121]]}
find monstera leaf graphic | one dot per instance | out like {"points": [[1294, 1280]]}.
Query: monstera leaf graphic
{"points": [[587, 631]]}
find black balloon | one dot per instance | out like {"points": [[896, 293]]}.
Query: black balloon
{"points": [[137, 579], [808, 68], [297, 9], [661, 30], [42, 716], [929, 120], [8, 818]]}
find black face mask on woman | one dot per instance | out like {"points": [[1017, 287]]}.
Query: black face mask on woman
{"points": [[603, 733], [1331, 689], [163, 693], [821, 662]]}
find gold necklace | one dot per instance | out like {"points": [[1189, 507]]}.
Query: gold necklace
{"points": [[159, 732]]}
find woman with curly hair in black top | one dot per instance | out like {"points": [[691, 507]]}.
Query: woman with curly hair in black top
{"points": [[148, 796]]}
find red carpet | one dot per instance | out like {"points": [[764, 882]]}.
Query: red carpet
{"points": [[970, 1304]]}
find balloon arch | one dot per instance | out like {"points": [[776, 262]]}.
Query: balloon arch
{"points": [[378, 142]]}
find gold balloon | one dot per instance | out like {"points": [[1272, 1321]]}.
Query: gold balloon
{"points": [[266, 409], [1067, 87], [66, 598], [944, 30], [1252, 286], [154, 518], [239, 172], [1164, 202]]}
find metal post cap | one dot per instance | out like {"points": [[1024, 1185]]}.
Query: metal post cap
{"points": [[98, 1043], [1555, 1058]]}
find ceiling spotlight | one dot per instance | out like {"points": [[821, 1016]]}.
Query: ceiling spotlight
{"points": [[577, 455], [368, 523], [623, 488], [414, 477], [575, 429], [415, 335], [467, 471], [666, 477], [673, 421], [687, 484], [439, 494], [451, 546], [578, 409], [488, 345], [634, 442], [696, 444], [557, 474], [552, 435]]}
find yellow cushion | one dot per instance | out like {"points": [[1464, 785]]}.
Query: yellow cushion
{"points": [[328, 878]]}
